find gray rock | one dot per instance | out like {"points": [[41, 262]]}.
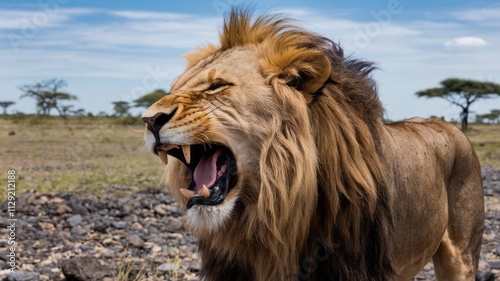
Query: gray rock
{"points": [[489, 192], [84, 269], [169, 266], [75, 220], [483, 266], [127, 209], [3, 255], [156, 239], [153, 230], [136, 241], [489, 236], [79, 230], [63, 209], [495, 265], [101, 224], [161, 209], [195, 265], [22, 276], [119, 224], [130, 218], [173, 224], [486, 276]]}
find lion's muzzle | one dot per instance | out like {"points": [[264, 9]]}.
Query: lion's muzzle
{"points": [[212, 166]]}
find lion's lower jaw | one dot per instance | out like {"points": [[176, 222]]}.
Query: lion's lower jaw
{"points": [[201, 219]]}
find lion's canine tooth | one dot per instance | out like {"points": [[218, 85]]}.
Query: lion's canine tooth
{"points": [[186, 149], [186, 192], [163, 156], [205, 192]]}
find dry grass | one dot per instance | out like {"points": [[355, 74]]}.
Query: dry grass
{"points": [[103, 155], [80, 154], [486, 141]]}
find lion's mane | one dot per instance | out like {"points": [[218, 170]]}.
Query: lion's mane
{"points": [[321, 208]]}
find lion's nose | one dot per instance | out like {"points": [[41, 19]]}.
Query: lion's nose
{"points": [[156, 122]]}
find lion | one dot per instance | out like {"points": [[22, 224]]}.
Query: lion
{"points": [[276, 149]]}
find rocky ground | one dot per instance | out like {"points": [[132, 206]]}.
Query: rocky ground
{"points": [[140, 237]]}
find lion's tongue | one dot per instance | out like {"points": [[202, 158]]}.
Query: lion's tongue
{"points": [[205, 172]]}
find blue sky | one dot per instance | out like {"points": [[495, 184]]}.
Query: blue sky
{"points": [[119, 50]]}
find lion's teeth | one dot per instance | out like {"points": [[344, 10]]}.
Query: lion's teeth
{"points": [[163, 156], [205, 192], [186, 149], [186, 192]]}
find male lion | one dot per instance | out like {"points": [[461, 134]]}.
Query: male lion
{"points": [[276, 148]]}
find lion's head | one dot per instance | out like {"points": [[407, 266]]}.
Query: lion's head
{"points": [[271, 144]]}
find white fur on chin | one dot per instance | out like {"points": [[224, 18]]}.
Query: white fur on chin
{"points": [[202, 218]]}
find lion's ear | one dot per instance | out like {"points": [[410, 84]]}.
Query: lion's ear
{"points": [[304, 69]]}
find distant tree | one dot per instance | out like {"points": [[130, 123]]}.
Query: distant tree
{"points": [[121, 108], [78, 112], [48, 95], [462, 93], [66, 109], [5, 104], [36, 91], [149, 99], [492, 117], [496, 113]]}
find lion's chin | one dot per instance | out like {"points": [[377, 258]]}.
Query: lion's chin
{"points": [[203, 219]]}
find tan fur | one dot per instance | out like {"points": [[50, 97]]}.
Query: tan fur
{"points": [[325, 190], [199, 54]]}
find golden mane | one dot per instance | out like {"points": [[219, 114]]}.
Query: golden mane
{"points": [[351, 217]]}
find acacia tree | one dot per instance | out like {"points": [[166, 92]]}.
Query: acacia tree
{"points": [[5, 105], [462, 93], [48, 95], [66, 109], [121, 108], [493, 116], [149, 99]]}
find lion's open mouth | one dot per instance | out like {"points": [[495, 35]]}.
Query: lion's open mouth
{"points": [[212, 168]]}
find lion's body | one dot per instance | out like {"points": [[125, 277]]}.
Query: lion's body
{"points": [[325, 190], [437, 211]]}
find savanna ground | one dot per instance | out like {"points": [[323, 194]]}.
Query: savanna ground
{"points": [[79, 154], [103, 155], [93, 153]]}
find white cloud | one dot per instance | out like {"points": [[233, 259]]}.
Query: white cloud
{"points": [[466, 42], [13, 19], [44, 17], [491, 14], [118, 50], [135, 30], [142, 15]]}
